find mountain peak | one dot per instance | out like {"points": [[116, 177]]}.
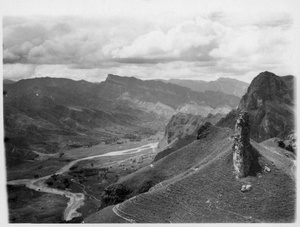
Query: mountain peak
{"points": [[267, 73], [116, 78], [224, 79], [264, 88], [269, 102]]}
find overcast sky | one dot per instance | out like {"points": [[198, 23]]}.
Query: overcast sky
{"points": [[149, 39]]}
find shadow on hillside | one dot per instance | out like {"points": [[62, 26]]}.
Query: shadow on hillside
{"points": [[255, 167]]}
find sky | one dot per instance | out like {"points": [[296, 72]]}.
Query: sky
{"points": [[149, 39]]}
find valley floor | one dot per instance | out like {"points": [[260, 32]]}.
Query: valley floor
{"points": [[84, 171]]}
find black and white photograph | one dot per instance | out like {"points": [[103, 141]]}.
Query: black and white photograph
{"points": [[149, 111]]}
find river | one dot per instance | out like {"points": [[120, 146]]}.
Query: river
{"points": [[76, 199]]}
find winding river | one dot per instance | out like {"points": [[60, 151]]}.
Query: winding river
{"points": [[76, 199]]}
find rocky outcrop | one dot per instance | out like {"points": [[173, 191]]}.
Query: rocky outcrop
{"points": [[183, 129], [180, 131], [269, 102], [242, 146], [203, 130], [288, 143]]}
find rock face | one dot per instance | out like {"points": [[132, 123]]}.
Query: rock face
{"points": [[267, 87], [288, 143], [269, 102], [183, 129], [202, 132], [242, 146]]}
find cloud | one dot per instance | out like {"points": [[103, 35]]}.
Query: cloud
{"points": [[212, 44], [186, 41], [18, 71], [251, 47], [65, 40]]}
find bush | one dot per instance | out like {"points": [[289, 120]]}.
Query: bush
{"points": [[113, 194]]}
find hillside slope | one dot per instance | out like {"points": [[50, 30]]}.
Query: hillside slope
{"points": [[172, 165], [198, 185]]}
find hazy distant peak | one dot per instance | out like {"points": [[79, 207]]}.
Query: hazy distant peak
{"points": [[230, 79], [7, 81], [225, 85], [112, 77]]}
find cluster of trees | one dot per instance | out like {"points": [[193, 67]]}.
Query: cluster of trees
{"points": [[58, 181]]}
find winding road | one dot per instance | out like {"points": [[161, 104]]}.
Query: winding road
{"points": [[76, 199]]}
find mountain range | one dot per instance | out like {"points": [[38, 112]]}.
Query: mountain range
{"points": [[164, 98], [53, 114], [221, 159], [225, 85]]}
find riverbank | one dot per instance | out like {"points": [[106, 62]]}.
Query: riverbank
{"points": [[77, 199]]}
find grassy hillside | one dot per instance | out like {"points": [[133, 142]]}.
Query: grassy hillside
{"points": [[195, 154], [198, 185]]}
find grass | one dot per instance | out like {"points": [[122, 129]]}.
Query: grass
{"points": [[276, 156], [85, 176], [213, 195], [272, 144], [199, 186], [107, 216], [50, 165], [173, 165], [29, 206], [103, 148], [29, 169]]}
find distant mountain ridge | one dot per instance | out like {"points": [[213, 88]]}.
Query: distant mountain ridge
{"points": [[165, 99], [225, 85], [52, 114], [7, 81]]}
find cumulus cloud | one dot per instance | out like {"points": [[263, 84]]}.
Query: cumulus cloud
{"points": [[186, 41], [201, 46]]}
